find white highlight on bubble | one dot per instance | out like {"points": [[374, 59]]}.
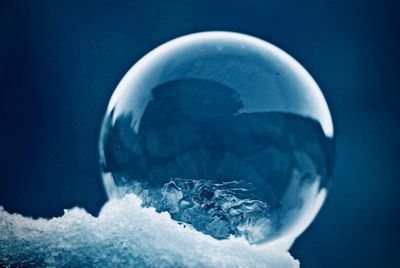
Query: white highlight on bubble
{"points": [[124, 235], [148, 73]]}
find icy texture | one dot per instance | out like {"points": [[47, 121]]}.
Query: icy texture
{"points": [[124, 235], [218, 209]]}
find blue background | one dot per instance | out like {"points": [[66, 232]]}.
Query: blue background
{"points": [[61, 60]]}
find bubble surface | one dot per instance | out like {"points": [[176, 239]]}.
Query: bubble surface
{"points": [[224, 131]]}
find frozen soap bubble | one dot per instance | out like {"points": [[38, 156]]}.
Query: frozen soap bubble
{"points": [[224, 131]]}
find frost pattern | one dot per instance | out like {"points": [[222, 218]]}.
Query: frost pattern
{"points": [[220, 209]]}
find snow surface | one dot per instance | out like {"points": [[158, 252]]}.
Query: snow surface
{"points": [[124, 235]]}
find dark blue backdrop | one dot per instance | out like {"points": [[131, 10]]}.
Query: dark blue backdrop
{"points": [[61, 60]]}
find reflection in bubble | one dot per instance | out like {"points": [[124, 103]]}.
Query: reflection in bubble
{"points": [[225, 132]]}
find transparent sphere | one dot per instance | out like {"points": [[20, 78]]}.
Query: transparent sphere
{"points": [[226, 132]]}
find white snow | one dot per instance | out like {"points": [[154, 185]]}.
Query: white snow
{"points": [[124, 235]]}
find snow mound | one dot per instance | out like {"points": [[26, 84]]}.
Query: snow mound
{"points": [[124, 235]]}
